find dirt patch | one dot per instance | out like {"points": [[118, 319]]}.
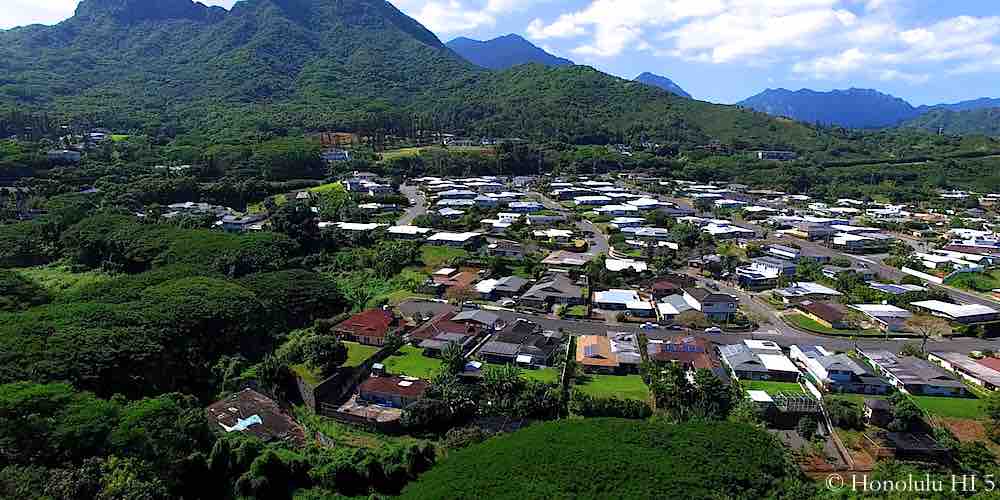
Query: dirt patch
{"points": [[964, 429]]}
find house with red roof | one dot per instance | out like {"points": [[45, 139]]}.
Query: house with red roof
{"points": [[368, 327]]}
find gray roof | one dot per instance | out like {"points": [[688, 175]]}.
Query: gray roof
{"points": [[499, 348], [970, 366], [841, 362], [484, 318], [556, 286], [740, 357], [511, 283]]}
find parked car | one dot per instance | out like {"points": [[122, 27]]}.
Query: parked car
{"points": [[648, 326], [507, 303], [713, 330]]}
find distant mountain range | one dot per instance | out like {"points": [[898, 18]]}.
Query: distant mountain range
{"points": [[866, 108], [504, 52], [663, 83]]}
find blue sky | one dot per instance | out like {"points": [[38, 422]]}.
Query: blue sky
{"points": [[925, 51]]}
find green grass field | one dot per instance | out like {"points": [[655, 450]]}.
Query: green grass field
{"points": [[358, 353], [979, 282], [772, 388], [951, 407], [411, 361], [326, 188], [620, 386], [59, 279], [312, 377], [434, 256], [806, 323], [119, 137], [542, 375]]}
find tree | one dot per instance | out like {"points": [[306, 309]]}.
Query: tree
{"points": [[452, 358], [296, 220], [711, 398], [928, 327], [692, 319], [844, 413], [906, 415], [501, 385], [324, 353], [992, 409], [807, 427]]}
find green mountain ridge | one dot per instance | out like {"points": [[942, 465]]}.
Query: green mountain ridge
{"points": [[172, 66]]}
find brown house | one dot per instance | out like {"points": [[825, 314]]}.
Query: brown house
{"points": [[368, 327], [827, 314], [253, 413], [396, 392], [593, 353], [443, 323]]}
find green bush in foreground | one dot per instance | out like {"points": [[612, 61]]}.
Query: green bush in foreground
{"points": [[614, 458]]}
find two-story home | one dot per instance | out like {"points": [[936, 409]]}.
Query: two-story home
{"points": [[715, 306], [837, 372]]}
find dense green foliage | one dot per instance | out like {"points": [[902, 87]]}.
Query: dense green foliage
{"points": [[589, 459]]}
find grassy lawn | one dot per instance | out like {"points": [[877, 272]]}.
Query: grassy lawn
{"points": [[118, 137], [411, 361], [358, 353], [950, 407], [350, 436], [326, 188], [577, 311], [542, 375], [772, 388], [59, 279], [434, 256], [620, 386], [979, 282], [306, 373], [806, 323]]}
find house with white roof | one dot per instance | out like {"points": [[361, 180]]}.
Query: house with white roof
{"points": [[622, 222], [618, 265], [805, 290], [556, 235], [966, 314], [888, 318], [758, 360], [457, 240], [645, 203], [409, 232], [623, 300], [617, 210], [596, 200]]}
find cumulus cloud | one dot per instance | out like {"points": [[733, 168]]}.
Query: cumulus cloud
{"points": [[456, 16], [24, 12], [814, 38]]}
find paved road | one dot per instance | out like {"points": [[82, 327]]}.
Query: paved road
{"points": [[598, 242], [418, 204], [779, 333]]}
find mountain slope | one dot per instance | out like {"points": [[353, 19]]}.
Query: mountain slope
{"points": [[985, 121], [663, 83], [172, 67], [853, 108], [974, 104], [504, 52]]}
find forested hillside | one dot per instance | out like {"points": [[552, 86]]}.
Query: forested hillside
{"points": [[175, 68]]}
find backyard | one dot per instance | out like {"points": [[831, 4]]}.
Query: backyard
{"points": [[806, 323], [358, 353], [410, 361], [946, 407], [607, 386], [979, 282], [772, 388], [436, 256]]}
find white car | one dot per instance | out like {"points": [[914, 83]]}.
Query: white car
{"points": [[713, 329]]}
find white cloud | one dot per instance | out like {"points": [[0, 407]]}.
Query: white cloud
{"points": [[24, 12], [814, 38], [456, 16]]}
